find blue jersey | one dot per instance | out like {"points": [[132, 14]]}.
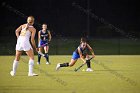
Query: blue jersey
{"points": [[83, 51], [44, 36], [76, 53]]}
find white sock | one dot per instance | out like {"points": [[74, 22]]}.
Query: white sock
{"points": [[31, 64], [15, 65]]}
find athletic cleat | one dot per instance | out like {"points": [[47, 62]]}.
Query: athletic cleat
{"points": [[12, 73], [58, 66], [38, 63], [33, 74], [89, 70], [48, 63]]}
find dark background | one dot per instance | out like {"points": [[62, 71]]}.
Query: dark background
{"points": [[67, 22]]}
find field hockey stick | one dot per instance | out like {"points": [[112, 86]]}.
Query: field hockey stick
{"points": [[41, 53], [43, 45], [76, 69]]}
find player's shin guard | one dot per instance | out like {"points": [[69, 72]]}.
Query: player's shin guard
{"points": [[31, 65], [64, 65], [88, 64], [39, 57], [47, 57], [15, 65]]}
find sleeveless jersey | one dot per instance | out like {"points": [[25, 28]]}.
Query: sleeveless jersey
{"points": [[23, 42], [44, 35], [83, 51], [25, 35]]}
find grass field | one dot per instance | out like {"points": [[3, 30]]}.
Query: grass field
{"points": [[112, 74], [65, 46]]}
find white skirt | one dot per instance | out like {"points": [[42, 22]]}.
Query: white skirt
{"points": [[23, 45]]}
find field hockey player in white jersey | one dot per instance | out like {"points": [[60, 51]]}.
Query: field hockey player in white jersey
{"points": [[23, 33]]}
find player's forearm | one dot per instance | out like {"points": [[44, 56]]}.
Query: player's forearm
{"points": [[38, 40], [17, 34], [33, 43], [50, 37], [18, 30], [82, 59], [38, 37], [92, 52]]}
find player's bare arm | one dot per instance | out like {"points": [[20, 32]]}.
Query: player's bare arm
{"points": [[18, 31], [50, 36], [91, 50], [33, 31], [81, 55], [38, 37]]}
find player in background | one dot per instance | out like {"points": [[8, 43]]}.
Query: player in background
{"points": [[23, 33], [44, 38], [82, 53]]}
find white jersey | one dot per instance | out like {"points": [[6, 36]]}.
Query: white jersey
{"points": [[23, 42]]}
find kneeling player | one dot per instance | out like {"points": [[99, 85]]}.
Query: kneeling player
{"points": [[80, 52], [44, 37]]}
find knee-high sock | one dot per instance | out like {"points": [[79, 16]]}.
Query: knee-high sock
{"points": [[15, 65], [64, 65], [31, 65], [39, 57], [88, 64], [47, 57]]}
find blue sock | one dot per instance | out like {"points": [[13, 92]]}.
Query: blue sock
{"points": [[39, 57], [47, 57]]}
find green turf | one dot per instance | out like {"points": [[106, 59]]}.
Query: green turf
{"points": [[112, 74], [65, 46]]}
